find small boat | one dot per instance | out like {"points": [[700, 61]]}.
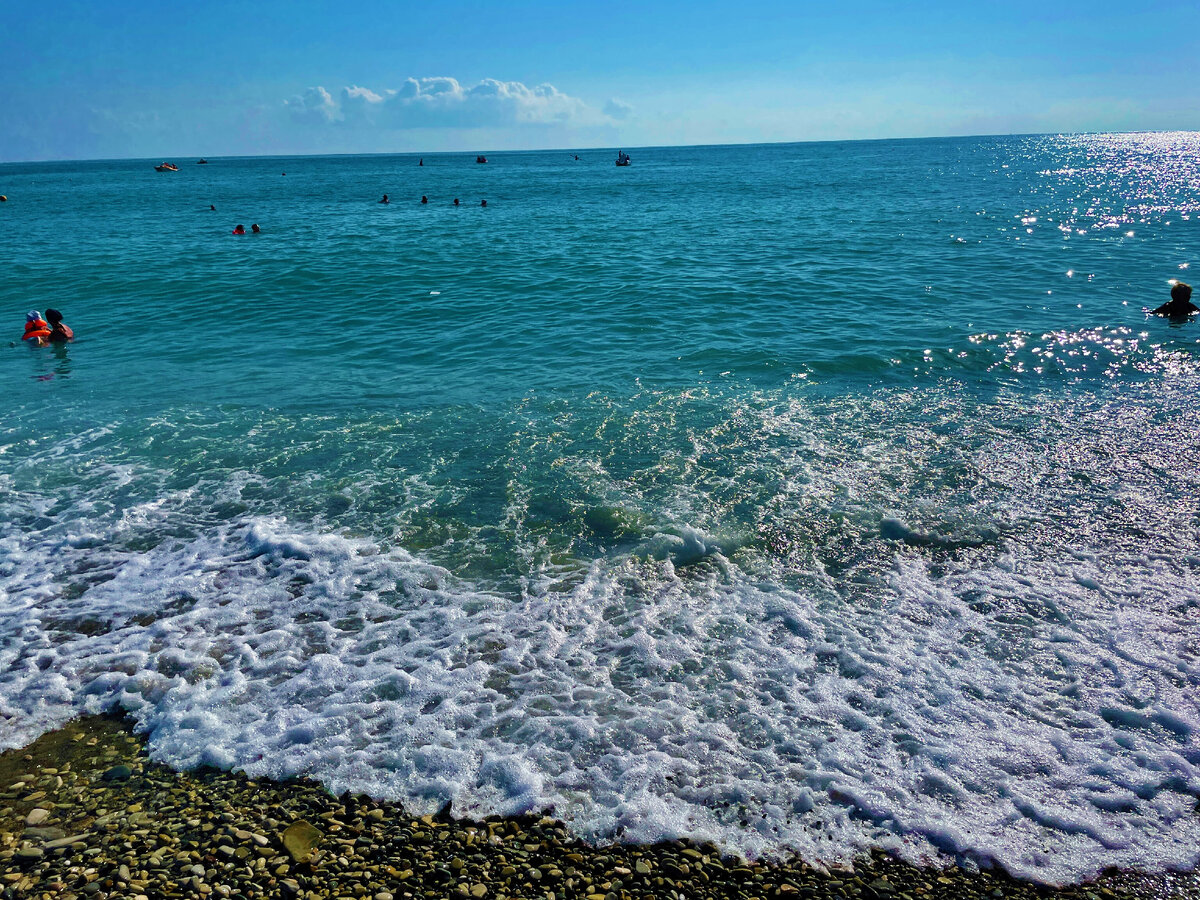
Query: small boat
{"points": [[622, 158], [481, 159], [166, 167], [202, 162]]}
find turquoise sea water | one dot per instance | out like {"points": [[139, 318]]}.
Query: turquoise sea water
{"points": [[808, 497]]}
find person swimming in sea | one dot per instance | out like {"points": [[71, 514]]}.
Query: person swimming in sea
{"points": [[240, 229], [255, 229], [59, 332], [1180, 306], [424, 199], [385, 199], [37, 329]]}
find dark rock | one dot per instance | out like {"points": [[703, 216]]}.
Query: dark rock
{"points": [[44, 833]]}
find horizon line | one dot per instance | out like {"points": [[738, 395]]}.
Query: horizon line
{"points": [[419, 153]]}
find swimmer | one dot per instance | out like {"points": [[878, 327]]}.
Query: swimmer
{"points": [[456, 201], [1180, 306], [422, 162], [241, 229], [213, 208], [3, 198], [59, 333], [484, 203], [424, 199], [256, 229], [37, 329], [385, 199]]}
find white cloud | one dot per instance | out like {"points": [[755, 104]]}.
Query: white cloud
{"points": [[445, 103], [617, 109], [315, 103]]}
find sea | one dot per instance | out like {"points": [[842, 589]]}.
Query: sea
{"points": [[810, 498]]}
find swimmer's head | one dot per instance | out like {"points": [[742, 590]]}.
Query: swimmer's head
{"points": [[1181, 292], [255, 229], [424, 199], [53, 316], [33, 316]]}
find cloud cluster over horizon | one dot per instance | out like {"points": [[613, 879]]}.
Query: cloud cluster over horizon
{"points": [[445, 103]]}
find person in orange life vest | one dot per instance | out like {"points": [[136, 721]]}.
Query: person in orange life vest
{"points": [[37, 329], [59, 333]]}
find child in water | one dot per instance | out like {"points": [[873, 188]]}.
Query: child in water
{"points": [[37, 329]]}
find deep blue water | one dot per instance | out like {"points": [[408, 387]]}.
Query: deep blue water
{"points": [[848, 483]]}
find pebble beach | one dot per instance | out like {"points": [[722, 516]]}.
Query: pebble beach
{"points": [[87, 814]]}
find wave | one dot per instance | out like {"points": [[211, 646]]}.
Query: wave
{"points": [[1034, 713]]}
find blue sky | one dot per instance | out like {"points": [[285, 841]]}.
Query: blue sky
{"points": [[103, 79]]}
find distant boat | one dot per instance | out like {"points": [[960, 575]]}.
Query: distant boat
{"points": [[481, 159], [202, 162], [166, 167], [622, 158]]}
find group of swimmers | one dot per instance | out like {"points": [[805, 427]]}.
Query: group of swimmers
{"points": [[50, 330], [41, 332], [254, 229], [425, 199], [240, 229]]}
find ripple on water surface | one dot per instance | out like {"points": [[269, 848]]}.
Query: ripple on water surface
{"points": [[912, 620]]}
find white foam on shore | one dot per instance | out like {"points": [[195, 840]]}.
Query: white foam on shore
{"points": [[1055, 735]]}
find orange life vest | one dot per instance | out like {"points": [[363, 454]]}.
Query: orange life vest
{"points": [[36, 329]]}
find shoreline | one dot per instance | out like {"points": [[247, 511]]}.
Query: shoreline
{"points": [[84, 813]]}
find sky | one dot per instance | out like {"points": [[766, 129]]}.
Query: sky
{"points": [[98, 79]]}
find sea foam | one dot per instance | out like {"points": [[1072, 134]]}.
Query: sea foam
{"points": [[647, 701]]}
